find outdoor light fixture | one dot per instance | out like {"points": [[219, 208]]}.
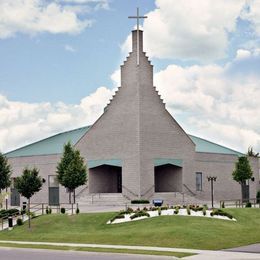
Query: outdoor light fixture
{"points": [[212, 179]]}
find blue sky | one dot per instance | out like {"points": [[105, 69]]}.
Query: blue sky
{"points": [[60, 60]]}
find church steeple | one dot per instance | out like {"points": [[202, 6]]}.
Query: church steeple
{"points": [[137, 43]]}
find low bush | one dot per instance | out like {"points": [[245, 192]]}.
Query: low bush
{"points": [[248, 205], [140, 201], [196, 208], [77, 211], [47, 210], [62, 211], [223, 205], [153, 208], [19, 222], [188, 210], [204, 211], [9, 212], [164, 207], [176, 211], [118, 216], [219, 212], [159, 211], [140, 214]]}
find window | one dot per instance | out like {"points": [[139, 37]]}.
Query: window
{"points": [[53, 181], [198, 181]]}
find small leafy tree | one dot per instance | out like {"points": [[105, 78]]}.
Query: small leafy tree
{"points": [[5, 173], [71, 170], [242, 172], [28, 184]]}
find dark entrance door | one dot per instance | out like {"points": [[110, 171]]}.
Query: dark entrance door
{"points": [[15, 197], [119, 182], [245, 192], [54, 196], [54, 191]]}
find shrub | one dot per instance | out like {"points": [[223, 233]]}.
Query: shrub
{"points": [[9, 212], [140, 214], [176, 211], [219, 212], [77, 211], [62, 210], [248, 204], [50, 210], [196, 208], [118, 216], [204, 211], [140, 201], [145, 209], [258, 197], [19, 222], [129, 210], [223, 205], [188, 210], [159, 211], [47, 210], [153, 208], [164, 207]]}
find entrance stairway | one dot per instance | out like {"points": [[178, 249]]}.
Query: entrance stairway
{"points": [[102, 199]]}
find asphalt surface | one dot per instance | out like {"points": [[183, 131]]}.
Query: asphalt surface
{"points": [[254, 248], [39, 254]]}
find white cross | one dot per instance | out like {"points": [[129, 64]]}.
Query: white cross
{"points": [[137, 17]]}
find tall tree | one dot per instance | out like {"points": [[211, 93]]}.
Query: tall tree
{"points": [[27, 185], [5, 173], [251, 153], [242, 173], [71, 170]]}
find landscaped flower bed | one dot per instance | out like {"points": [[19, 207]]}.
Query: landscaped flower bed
{"points": [[191, 210]]}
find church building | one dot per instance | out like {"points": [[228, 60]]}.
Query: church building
{"points": [[135, 150]]}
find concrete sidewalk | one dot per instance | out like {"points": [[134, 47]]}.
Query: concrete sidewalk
{"points": [[201, 254]]}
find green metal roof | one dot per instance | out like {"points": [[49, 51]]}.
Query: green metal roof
{"points": [[163, 161], [206, 146], [55, 143], [111, 162], [50, 145]]}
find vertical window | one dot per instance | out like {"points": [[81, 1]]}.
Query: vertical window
{"points": [[53, 181], [198, 181]]}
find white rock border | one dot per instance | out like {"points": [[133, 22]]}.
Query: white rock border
{"points": [[170, 212]]}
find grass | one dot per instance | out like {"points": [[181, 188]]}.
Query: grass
{"points": [[165, 231], [107, 250]]}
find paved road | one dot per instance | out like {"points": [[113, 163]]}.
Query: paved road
{"points": [[39, 254], [254, 248]]}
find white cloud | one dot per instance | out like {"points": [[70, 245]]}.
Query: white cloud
{"points": [[252, 14], [69, 48], [22, 123], [211, 102], [37, 16], [196, 30]]}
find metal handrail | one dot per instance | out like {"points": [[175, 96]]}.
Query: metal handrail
{"points": [[185, 186], [149, 190], [125, 188]]}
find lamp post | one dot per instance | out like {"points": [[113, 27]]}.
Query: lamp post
{"points": [[212, 179]]}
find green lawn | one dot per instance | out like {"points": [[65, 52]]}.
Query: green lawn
{"points": [[166, 231]]}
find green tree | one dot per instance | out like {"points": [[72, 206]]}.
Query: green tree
{"points": [[242, 172], [28, 184], [71, 170], [5, 174], [251, 153]]}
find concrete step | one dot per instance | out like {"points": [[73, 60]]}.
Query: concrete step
{"points": [[105, 199], [173, 198]]}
